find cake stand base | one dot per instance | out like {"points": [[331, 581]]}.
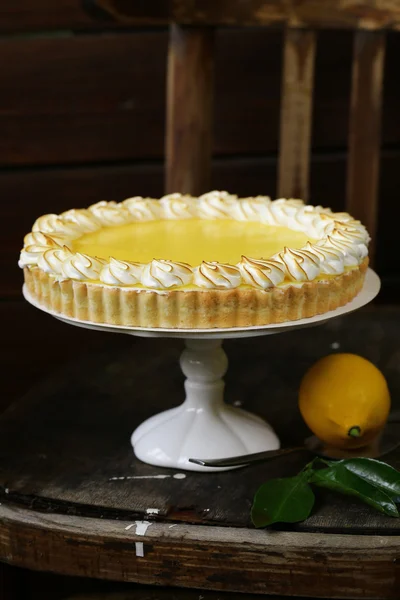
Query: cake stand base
{"points": [[203, 426]]}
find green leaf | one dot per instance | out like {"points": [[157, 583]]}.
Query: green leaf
{"points": [[340, 479], [378, 473], [282, 501]]}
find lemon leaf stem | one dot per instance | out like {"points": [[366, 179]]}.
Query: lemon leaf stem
{"points": [[354, 432]]}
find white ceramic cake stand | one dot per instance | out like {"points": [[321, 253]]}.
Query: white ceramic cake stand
{"points": [[204, 426]]}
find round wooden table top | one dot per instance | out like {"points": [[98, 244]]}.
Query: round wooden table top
{"points": [[74, 499]]}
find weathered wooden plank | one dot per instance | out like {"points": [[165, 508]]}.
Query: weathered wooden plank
{"points": [[296, 114], [365, 128], [40, 15], [144, 593], [204, 557], [148, 593], [190, 87], [375, 14], [59, 587], [76, 99], [157, 593], [22, 326], [102, 106]]}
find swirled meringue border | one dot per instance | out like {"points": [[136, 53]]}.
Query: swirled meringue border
{"points": [[341, 242]]}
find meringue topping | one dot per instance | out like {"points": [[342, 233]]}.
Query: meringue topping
{"points": [[335, 241], [217, 275], [261, 273], [299, 265], [120, 272], [81, 267], [165, 274]]}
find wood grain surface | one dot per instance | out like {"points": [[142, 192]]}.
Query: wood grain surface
{"points": [[71, 460], [216, 558], [296, 114], [190, 94], [140, 592], [103, 97], [44, 15], [155, 593], [88, 98], [22, 365], [46, 586], [58, 587], [374, 14], [75, 99], [365, 130]]}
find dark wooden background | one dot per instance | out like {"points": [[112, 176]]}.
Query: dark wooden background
{"points": [[82, 114]]}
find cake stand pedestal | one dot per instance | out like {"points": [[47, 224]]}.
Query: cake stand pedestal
{"points": [[204, 426]]}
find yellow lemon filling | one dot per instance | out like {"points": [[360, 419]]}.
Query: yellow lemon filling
{"points": [[191, 241]]}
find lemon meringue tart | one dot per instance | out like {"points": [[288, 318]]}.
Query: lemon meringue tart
{"points": [[185, 262]]}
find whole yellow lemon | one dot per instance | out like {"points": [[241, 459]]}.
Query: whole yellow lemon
{"points": [[344, 399]]}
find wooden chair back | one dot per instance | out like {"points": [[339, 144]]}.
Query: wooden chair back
{"points": [[190, 85]]}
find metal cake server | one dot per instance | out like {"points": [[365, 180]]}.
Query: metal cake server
{"points": [[389, 440]]}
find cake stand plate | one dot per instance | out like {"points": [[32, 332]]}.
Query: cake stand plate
{"points": [[204, 426]]}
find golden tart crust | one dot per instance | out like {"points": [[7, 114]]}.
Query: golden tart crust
{"points": [[293, 284], [237, 307]]}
